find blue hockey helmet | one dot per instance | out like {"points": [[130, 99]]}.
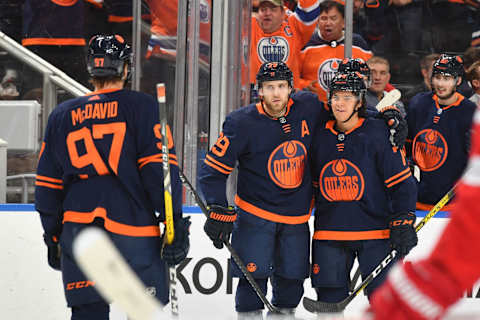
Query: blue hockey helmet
{"points": [[271, 71], [448, 65]]}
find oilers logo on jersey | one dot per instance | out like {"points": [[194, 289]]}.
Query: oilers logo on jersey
{"points": [[273, 49], [326, 72], [430, 149], [286, 164], [341, 180]]}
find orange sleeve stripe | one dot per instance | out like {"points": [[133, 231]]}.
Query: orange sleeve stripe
{"points": [[48, 185], [270, 216], [41, 150], [428, 207], [157, 156], [54, 41], [351, 235], [119, 19], [409, 174], [49, 179], [397, 175], [218, 163], [214, 166], [172, 162], [110, 225]]}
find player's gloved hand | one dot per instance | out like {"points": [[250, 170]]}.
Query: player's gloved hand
{"points": [[176, 252], [219, 224], [397, 124], [402, 233], [54, 251]]}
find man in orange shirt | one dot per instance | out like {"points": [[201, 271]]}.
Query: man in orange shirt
{"points": [[323, 54], [279, 34]]}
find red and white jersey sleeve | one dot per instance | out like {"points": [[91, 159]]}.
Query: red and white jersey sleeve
{"points": [[426, 289]]}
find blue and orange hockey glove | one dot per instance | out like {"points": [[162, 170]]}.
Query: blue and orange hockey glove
{"points": [[402, 233], [397, 125], [176, 252], [54, 251], [219, 224]]}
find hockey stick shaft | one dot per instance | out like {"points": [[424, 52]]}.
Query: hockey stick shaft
{"points": [[167, 192], [234, 254], [319, 306], [103, 264], [388, 99]]}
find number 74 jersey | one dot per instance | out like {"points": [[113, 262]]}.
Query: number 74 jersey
{"points": [[101, 158]]}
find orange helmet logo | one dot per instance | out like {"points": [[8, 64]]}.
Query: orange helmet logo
{"points": [[251, 267]]}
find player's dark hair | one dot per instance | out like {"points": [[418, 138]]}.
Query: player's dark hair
{"points": [[326, 5]]}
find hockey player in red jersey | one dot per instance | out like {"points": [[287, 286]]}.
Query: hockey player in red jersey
{"points": [[364, 193], [439, 132], [424, 290], [100, 164]]}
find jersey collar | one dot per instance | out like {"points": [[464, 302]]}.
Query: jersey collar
{"points": [[455, 104], [331, 126], [262, 111]]}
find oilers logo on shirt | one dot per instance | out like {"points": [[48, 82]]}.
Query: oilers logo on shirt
{"points": [[341, 180], [430, 149], [273, 49], [286, 164], [326, 72]]}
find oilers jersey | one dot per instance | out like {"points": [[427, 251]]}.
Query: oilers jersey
{"points": [[101, 159], [284, 44], [438, 143], [273, 180], [319, 61], [360, 181]]}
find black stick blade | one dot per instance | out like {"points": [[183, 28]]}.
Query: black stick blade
{"points": [[315, 306]]}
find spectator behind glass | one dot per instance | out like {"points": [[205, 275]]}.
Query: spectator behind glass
{"points": [[451, 24], [278, 35], [473, 76], [59, 40], [11, 25], [380, 76], [324, 52], [470, 56], [426, 64]]}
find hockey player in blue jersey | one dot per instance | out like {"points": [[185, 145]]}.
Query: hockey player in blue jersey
{"points": [[439, 132], [100, 164], [364, 193], [270, 140]]}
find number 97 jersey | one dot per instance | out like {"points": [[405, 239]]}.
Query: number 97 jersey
{"points": [[101, 158]]}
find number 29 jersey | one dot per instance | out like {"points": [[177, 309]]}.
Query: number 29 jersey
{"points": [[101, 158], [273, 175]]}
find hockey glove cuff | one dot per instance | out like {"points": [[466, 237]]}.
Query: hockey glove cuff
{"points": [[54, 251], [402, 233], [176, 252], [219, 224], [397, 125]]}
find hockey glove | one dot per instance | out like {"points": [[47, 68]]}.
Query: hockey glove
{"points": [[176, 252], [397, 124], [54, 251], [402, 233], [219, 224]]}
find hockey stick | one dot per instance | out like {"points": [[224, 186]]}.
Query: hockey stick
{"points": [[388, 99], [100, 260], [167, 191], [320, 306], [234, 254]]}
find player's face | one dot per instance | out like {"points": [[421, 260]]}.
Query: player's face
{"points": [[343, 104], [331, 24], [275, 96], [379, 75], [270, 17], [444, 85]]}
